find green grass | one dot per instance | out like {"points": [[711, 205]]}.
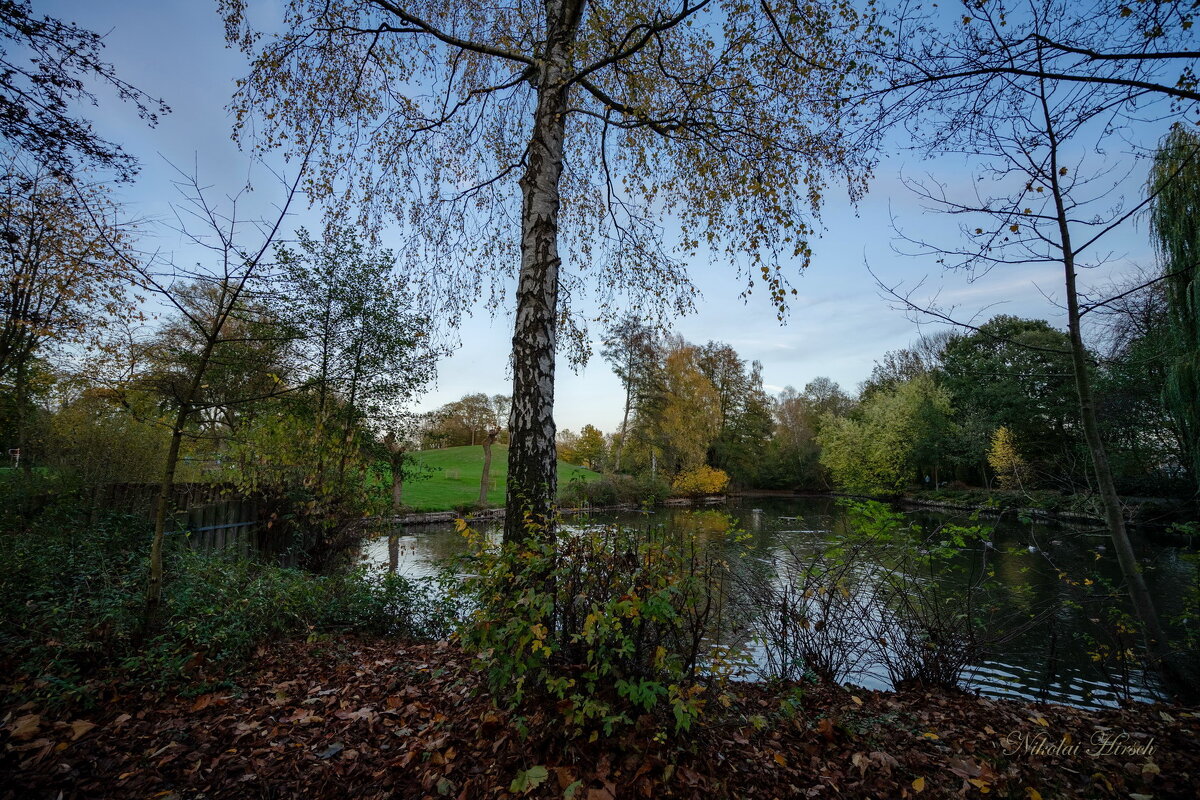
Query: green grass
{"points": [[455, 473]]}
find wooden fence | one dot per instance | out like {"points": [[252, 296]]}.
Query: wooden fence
{"points": [[208, 516]]}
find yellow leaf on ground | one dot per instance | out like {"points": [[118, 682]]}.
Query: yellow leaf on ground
{"points": [[919, 785], [780, 759]]}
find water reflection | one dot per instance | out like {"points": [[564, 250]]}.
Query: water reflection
{"points": [[1052, 654]]}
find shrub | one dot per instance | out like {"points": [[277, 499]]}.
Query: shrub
{"points": [[883, 596], [608, 622], [615, 490], [71, 605], [700, 481]]}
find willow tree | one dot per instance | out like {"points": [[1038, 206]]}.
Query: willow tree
{"points": [[547, 142], [1175, 205]]}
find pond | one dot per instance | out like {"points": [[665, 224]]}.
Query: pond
{"points": [[1056, 588]]}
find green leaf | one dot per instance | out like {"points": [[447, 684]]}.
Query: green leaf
{"points": [[529, 779]]}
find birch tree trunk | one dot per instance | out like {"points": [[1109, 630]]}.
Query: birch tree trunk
{"points": [[532, 478]]}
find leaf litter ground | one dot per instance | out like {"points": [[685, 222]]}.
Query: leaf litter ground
{"points": [[358, 718]]}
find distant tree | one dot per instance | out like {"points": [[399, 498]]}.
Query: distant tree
{"points": [[746, 426], [566, 441], [889, 439], [495, 421], [898, 366], [686, 418], [1006, 460], [465, 421], [826, 397], [53, 70], [630, 346], [590, 449], [794, 452], [1017, 373]]}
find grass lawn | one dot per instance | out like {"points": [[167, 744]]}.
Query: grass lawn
{"points": [[455, 474]]}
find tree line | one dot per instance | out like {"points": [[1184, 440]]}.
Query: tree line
{"points": [[994, 407]]}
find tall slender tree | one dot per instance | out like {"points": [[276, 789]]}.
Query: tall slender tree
{"points": [[630, 347], [1033, 132]]}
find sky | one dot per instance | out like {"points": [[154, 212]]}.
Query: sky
{"points": [[839, 323]]}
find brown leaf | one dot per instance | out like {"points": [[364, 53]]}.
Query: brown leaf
{"points": [[565, 776], [825, 726], [79, 728], [26, 727]]}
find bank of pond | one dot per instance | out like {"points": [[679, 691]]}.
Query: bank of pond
{"points": [[1036, 607]]}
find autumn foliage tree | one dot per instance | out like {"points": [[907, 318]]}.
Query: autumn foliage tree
{"points": [[494, 133], [59, 281], [1006, 460]]}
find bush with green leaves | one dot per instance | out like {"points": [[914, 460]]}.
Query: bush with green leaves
{"points": [[609, 623], [614, 490], [72, 606]]}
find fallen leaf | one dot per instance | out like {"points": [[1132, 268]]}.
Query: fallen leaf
{"points": [[780, 759], [331, 751], [918, 785], [825, 726], [80, 727], [25, 727]]}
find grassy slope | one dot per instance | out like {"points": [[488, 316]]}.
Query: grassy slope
{"points": [[455, 477]]}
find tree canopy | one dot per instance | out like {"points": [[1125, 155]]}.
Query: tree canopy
{"points": [[494, 133]]}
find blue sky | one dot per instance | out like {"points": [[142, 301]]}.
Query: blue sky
{"points": [[838, 323]]}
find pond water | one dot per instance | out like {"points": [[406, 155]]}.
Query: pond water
{"points": [[1069, 654]]}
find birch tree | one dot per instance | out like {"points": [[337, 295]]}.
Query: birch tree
{"points": [[548, 142]]}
